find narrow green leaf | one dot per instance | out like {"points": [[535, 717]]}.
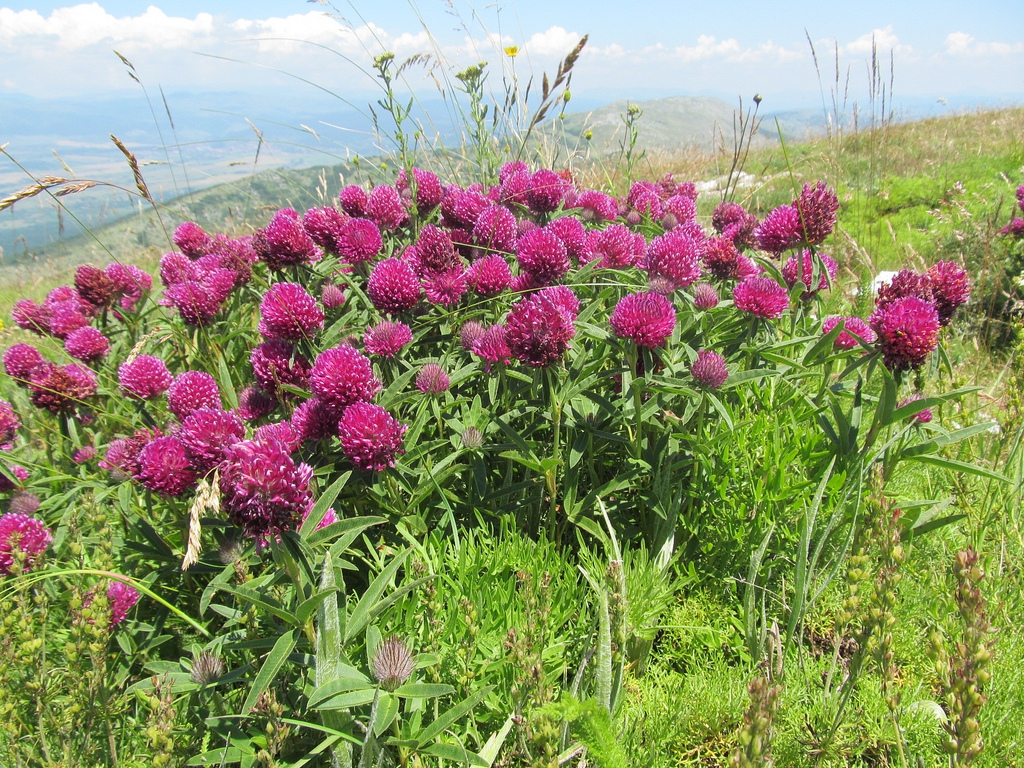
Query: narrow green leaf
{"points": [[306, 608], [423, 690], [961, 466], [360, 615], [275, 660], [323, 504], [443, 722], [455, 753]]}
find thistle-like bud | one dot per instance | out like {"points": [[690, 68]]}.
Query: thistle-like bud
{"points": [[207, 667], [392, 663]]}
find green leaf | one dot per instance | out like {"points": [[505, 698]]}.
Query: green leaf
{"points": [[252, 596], [948, 439], [351, 680], [423, 690], [306, 608], [456, 754], [323, 504], [387, 710], [961, 466], [275, 660], [354, 698], [360, 615], [443, 722]]}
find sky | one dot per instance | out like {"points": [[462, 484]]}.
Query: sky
{"points": [[280, 49]]}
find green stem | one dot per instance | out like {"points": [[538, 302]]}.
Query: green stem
{"points": [[556, 447]]}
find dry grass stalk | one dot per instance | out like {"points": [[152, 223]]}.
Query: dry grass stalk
{"points": [[133, 163], [207, 501]]}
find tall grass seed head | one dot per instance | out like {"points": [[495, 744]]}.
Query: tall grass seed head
{"points": [[24, 534], [371, 438], [144, 378], [647, 319]]}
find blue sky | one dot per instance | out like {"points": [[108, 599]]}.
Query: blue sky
{"points": [[954, 50]]}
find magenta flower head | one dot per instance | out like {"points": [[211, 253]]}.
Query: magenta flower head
{"points": [[596, 207], [359, 241], [9, 424], [461, 208], [275, 362], [262, 490], [615, 247], [817, 207], [315, 419], [761, 297], [647, 319], [197, 302], [445, 289], [386, 339], [84, 454], [643, 198], [538, 329], [432, 379], [87, 344], [799, 268], [470, 333], [780, 230], [429, 191], [542, 256], [191, 239], [163, 467], [22, 534], [20, 361], [122, 598], [144, 378], [282, 431], [950, 286], [122, 458], [342, 376], [570, 231], [284, 242], [546, 191], [61, 388], [325, 226], [353, 200], [31, 316], [495, 229], [678, 209], [332, 296], [254, 403], [176, 268], [673, 260], [130, 282], [489, 275], [493, 347], [393, 286], [435, 251], [705, 296], [709, 370], [852, 327], [191, 390], [95, 286], [904, 283], [371, 438], [66, 317], [206, 433], [1014, 229], [733, 222], [908, 331], [921, 417], [384, 206], [289, 313]]}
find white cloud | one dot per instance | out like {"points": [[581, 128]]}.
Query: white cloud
{"points": [[882, 40], [708, 47], [555, 41], [962, 44], [85, 25]]}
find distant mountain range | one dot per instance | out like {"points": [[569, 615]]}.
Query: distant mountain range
{"points": [[190, 142]]}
